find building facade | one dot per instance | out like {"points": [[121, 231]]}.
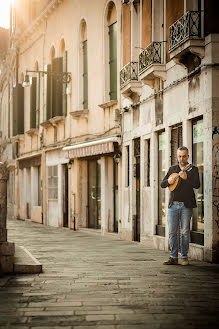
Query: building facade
{"points": [[96, 97], [168, 83]]}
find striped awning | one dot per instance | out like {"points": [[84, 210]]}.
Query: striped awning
{"points": [[90, 148]]}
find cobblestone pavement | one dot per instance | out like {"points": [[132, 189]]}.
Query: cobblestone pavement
{"points": [[90, 281]]}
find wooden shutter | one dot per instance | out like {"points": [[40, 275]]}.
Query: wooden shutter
{"points": [[33, 103], [49, 93], [18, 110], [64, 85], [113, 60], [85, 76], [57, 64]]}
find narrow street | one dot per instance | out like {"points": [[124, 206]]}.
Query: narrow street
{"points": [[91, 281]]}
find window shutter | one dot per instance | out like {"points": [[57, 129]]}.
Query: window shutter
{"points": [[14, 111], [57, 64], [113, 60], [33, 103], [64, 85], [18, 110], [85, 76], [49, 93]]}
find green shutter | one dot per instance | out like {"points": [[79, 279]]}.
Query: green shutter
{"points": [[33, 103], [57, 64], [49, 93], [113, 60], [18, 110], [85, 76], [64, 85]]}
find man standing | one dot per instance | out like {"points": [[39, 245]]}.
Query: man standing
{"points": [[181, 202]]}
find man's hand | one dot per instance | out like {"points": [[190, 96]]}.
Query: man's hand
{"points": [[183, 175], [170, 180]]}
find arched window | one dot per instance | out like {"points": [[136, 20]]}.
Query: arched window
{"points": [[111, 51], [83, 73], [56, 87]]}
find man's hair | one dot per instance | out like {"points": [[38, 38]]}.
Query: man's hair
{"points": [[183, 148]]}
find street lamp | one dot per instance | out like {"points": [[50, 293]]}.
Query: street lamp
{"points": [[64, 77]]}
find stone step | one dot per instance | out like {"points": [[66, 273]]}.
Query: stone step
{"points": [[25, 262]]}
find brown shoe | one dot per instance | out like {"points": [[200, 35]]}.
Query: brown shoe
{"points": [[171, 261], [184, 261]]}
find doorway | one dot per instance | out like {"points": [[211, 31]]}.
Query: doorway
{"points": [[94, 194], [137, 193], [116, 195], [65, 196]]}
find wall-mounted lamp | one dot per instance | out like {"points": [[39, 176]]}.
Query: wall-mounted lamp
{"points": [[70, 164], [26, 82], [64, 77]]}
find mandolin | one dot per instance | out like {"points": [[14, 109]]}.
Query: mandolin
{"points": [[177, 179]]}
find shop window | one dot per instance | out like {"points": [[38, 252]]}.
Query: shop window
{"points": [[53, 183], [197, 233], [147, 159]]}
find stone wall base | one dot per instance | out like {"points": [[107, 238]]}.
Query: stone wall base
{"points": [[7, 250]]}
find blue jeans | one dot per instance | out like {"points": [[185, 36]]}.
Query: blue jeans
{"points": [[178, 212]]}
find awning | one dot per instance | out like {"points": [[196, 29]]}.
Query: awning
{"points": [[99, 146]]}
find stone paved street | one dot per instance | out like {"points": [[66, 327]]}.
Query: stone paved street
{"points": [[91, 281]]}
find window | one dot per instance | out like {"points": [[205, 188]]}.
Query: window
{"points": [[113, 60], [56, 89], [147, 158], [197, 235], [83, 66], [85, 76], [18, 110], [176, 141], [36, 189], [53, 183], [161, 191]]}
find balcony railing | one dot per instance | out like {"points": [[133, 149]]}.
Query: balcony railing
{"points": [[188, 26], [128, 73], [150, 55]]}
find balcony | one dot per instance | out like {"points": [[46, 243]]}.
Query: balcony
{"points": [[151, 63], [185, 36], [129, 83]]}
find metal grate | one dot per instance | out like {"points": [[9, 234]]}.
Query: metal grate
{"points": [[184, 28], [128, 73], [150, 55]]}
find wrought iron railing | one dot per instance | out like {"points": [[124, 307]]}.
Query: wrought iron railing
{"points": [[128, 73], [150, 55], [188, 26]]}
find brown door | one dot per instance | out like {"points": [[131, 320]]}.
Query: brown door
{"points": [[65, 197], [94, 194]]}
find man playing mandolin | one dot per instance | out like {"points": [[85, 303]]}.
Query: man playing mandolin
{"points": [[181, 180]]}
